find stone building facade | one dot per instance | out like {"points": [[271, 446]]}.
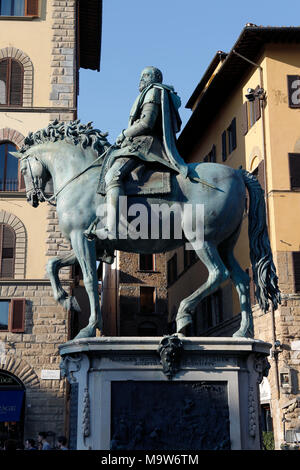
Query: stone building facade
{"points": [[134, 295], [245, 111], [40, 57]]}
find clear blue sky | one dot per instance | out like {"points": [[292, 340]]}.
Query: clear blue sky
{"points": [[180, 37]]}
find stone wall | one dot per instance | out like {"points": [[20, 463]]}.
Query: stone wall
{"points": [[26, 354], [131, 278], [285, 364], [63, 81]]}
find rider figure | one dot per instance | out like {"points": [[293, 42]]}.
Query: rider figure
{"points": [[150, 136]]}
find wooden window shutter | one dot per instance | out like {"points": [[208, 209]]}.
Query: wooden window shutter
{"points": [[7, 255], [257, 108], [294, 165], [17, 315], [31, 7], [16, 83], [296, 268], [294, 90], [245, 118], [224, 150]]}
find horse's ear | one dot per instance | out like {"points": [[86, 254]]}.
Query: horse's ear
{"points": [[16, 154]]}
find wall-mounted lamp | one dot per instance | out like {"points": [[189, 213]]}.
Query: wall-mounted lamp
{"points": [[258, 93]]}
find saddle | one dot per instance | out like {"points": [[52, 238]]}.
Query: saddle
{"points": [[146, 179]]}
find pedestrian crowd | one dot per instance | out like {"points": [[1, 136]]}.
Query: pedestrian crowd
{"points": [[40, 444]]}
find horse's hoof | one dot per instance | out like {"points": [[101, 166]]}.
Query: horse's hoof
{"points": [[87, 332], [241, 333], [183, 322]]}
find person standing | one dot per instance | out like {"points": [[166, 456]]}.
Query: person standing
{"points": [[42, 439], [62, 443]]}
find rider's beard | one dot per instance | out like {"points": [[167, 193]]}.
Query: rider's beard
{"points": [[144, 83]]}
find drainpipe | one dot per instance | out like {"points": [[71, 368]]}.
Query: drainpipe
{"points": [[274, 351]]}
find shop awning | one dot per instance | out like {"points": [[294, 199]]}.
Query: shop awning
{"points": [[11, 405]]}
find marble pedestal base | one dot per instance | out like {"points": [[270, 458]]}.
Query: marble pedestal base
{"points": [[121, 398]]}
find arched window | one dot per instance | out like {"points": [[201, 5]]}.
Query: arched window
{"points": [[7, 251], [10, 180], [11, 82]]}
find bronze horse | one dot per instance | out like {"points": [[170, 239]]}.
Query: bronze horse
{"points": [[72, 154]]}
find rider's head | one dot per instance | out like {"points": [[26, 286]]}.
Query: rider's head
{"points": [[150, 75]]}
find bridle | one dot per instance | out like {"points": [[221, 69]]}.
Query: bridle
{"points": [[36, 190]]}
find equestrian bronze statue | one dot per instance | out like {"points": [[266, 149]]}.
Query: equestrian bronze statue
{"points": [[144, 170]]}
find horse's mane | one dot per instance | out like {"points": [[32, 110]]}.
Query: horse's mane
{"points": [[72, 131]]}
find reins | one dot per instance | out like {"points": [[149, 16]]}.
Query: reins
{"points": [[37, 190]]}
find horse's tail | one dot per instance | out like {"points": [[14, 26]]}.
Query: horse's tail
{"points": [[264, 271]]}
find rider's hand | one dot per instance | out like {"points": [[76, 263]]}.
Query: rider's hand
{"points": [[120, 139]]}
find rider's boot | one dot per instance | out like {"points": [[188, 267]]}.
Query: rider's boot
{"points": [[111, 231]]}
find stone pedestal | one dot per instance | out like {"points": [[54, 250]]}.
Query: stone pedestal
{"points": [[195, 394]]}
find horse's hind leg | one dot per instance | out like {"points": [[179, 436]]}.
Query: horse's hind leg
{"points": [[53, 267], [217, 273], [241, 281]]}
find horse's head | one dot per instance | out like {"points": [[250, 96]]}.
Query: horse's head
{"points": [[35, 176]]}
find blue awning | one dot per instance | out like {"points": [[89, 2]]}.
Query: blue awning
{"points": [[11, 405]]}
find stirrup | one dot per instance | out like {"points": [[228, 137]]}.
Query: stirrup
{"points": [[90, 232]]}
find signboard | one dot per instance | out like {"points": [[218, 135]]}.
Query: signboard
{"points": [[50, 374], [10, 405]]}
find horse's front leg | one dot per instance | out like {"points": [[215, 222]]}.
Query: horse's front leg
{"points": [[60, 295], [86, 255]]}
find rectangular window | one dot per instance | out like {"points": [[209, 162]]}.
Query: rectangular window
{"points": [[296, 268], [294, 165], [211, 156], [231, 131], [147, 300], [4, 314], [19, 7], [212, 309], [12, 7], [293, 82], [189, 256], [172, 269], [12, 315], [146, 262]]}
